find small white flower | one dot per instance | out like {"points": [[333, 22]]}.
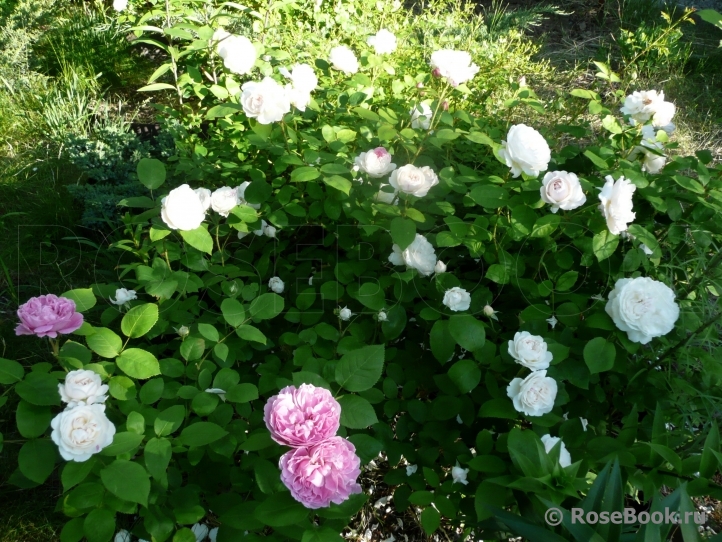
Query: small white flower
{"points": [[183, 331], [200, 531], [565, 459], [382, 316], [440, 267], [205, 196], [120, 5], [669, 426], [122, 536], [489, 312], [270, 231], [383, 42], [224, 200], [562, 190], [456, 66], [459, 474], [310, 280], [375, 163], [123, 296], [585, 423], [82, 431], [345, 313], [276, 285], [422, 119], [411, 469], [413, 180], [302, 76], [219, 392], [419, 255], [552, 321], [525, 151], [458, 419], [343, 59], [213, 534], [266, 101], [616, 206], [262, 230], [533, 395], [457, 299], [82, 387], [238, 53], [182, 209], [530, 351]]}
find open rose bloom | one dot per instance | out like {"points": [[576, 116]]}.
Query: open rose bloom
{"points": [[302, 416], [82, 387], [82, 431], [322, 474], [48, 315]]}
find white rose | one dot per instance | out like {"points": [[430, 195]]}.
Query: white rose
{"points": [[343, 59], [241, 190], [643, 307], [525, 150], [562, 190], [224, 200], [266, 101], [298, 98], [383, 42], [549, 442], [418, 255], [238, 53], [616, 198], [663, 115], [530, 351], [421, 119], [262, 230], [459, 475], [213, 534], [641, 105], [489, 312], [120, 5], [302, 76], [534, 395], [276, 284], [345, 313], [122, 536], [411, 469], [123, 296], [457, 299], [82, 431], [653, 162], [205, 196], [440, 267], [413, 180], [456, 66], [385, 197], [182, 209], [200, 531], [269, 231], [183, 331], [82, 387], [375, 163], [382, 316]]}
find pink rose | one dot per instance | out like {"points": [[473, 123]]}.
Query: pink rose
{"points": [[302, 416], [321, 474], [48, 315]]}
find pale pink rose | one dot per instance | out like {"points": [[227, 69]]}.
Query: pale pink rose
{"points": [[321, 474], [302, 416], [48, 315]]}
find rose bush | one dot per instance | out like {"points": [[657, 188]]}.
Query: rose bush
{"points": [[475, 322]]}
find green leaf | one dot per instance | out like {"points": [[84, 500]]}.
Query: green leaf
{"points": [[10, 371], [73, 531], [644, 236], [209, 332], [75, 472], [83, 297], [403, 232], [304, 174], [250, 333], [104, 342], [280, 510], [501, 407], [490, 196], [430, 520], [443, 343], [199, 239], [465, 374], [266, 476], [40, 389], [266, 306], [604, 244], [202, 433], [127, 480], [367, 447], [233, 312], [138, 363], [356, 412], [545, 225], [360, 369], [151, 173], [192, 348], [689, 184], [341, 184], [139, 320], [99, 525], [123, 442], [223, 110], [599, 355], [242, 393], [371, 295], [596, 160], [36, 459], [169, 420], [323, 534], [611, 125], [156, 86], [566, 281], [467, 331], [157, 455]]}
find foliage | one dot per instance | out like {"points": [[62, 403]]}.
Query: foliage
{"points": [[436, 396]]}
